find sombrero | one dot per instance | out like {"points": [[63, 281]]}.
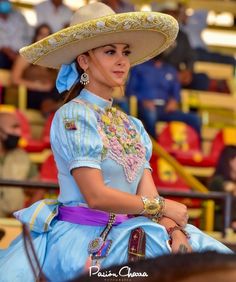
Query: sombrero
{"points": [[95, 25]]}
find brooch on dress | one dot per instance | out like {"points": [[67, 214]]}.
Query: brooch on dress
{"points": [[69, 124]]}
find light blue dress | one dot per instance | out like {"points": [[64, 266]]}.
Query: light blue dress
{"points": [[87, 131]]}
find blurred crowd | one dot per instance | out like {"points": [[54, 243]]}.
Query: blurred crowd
{"points": [[156, 85]]}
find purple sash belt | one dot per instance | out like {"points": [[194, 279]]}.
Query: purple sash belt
{"points": [[87, 216]]}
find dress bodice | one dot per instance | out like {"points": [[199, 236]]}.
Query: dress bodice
{"points": [[89, 132]]}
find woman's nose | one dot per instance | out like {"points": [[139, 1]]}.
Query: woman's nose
{"points": [[121, 60]]}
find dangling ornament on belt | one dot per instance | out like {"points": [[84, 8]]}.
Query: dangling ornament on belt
{"points": [[99, 247]]}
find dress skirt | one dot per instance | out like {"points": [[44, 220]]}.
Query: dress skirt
{"points": [[62, 248]]}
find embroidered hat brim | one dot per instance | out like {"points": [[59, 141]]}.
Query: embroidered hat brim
{"points": [[147, 34]]}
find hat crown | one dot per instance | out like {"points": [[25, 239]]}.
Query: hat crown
{"points": [[90, 12]]}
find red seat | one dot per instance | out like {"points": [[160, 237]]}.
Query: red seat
{"points": [[182, 141], [48, 170], [178, 136], [27, 142], [46, 131], [226, 136], [48, 173], [165, 176], [25, 126]]}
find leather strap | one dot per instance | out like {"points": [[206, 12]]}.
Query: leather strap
{"points": [[137, 245]]}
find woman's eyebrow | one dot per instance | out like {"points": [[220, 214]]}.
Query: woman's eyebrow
{"points": [[110, 45], [114, 46], [126, 47]]}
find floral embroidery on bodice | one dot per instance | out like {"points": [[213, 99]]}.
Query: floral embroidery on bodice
{"points": [[121, 141]]}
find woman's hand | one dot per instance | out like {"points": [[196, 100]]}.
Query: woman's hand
{"points": [[171, 106], [180, 243], [149, 105], [185, 77], [45, 86], [179, 240], [176, 211]]}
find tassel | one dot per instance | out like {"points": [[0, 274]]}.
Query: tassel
{"points": [[88, 263]]}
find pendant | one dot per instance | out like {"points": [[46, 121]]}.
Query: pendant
{"points": [[104, 250], [95, 245]]}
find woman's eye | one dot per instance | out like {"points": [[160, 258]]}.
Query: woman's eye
{"points": [[110, 52], [127, 53]]}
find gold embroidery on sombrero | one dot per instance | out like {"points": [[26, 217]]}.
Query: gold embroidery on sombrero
{"points": [[104, 25], [121, 141]]}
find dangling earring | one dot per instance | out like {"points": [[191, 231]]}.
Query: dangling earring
{"points": [[84, 79]]}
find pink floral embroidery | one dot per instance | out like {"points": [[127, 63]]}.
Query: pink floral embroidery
{"points": [[121, 141]]}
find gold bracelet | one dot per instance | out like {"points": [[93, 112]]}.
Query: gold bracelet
{"points": [[157, 217], [152, 206]]}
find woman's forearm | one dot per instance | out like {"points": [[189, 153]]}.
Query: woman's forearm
{"points": [[112, 200], [109, 199]]}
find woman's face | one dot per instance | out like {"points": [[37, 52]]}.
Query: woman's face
{"points": [[42, 33], [232, 165], [114, 66], [9, 124]]}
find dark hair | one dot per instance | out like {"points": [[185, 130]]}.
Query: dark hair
{"points": [[37, 30], [74, 91], [223, 167], [174, 267], [2, 233], [76, 88]]}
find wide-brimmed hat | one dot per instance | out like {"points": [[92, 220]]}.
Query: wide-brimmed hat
{"points": [[95, 25]]}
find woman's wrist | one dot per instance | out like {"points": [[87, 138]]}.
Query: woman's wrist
{"points": [[153, 207], [176, 230]]}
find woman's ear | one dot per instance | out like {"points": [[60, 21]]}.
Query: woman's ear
{"points": [[82, 61]]}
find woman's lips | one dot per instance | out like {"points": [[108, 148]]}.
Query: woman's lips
{"points": [[119, 73]]}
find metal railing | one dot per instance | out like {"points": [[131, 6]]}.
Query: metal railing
{"points": [[225, 198]]}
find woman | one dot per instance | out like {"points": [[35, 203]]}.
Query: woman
{"points": [[224, 179], [39, 81], [108, 210]]}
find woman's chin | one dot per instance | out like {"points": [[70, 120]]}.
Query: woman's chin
{"points": [[119, 82], [116, 83]]}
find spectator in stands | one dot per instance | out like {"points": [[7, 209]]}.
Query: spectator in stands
{"points": [[156, 86], [14, 33], [194, 26], [102, 156], [224, 179], [54, 13], [14, 162], [39, 81], [182, 56], [119, 6]]}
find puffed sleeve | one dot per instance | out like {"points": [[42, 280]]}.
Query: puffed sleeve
{"points": [[145, 139], [75, 137]]}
